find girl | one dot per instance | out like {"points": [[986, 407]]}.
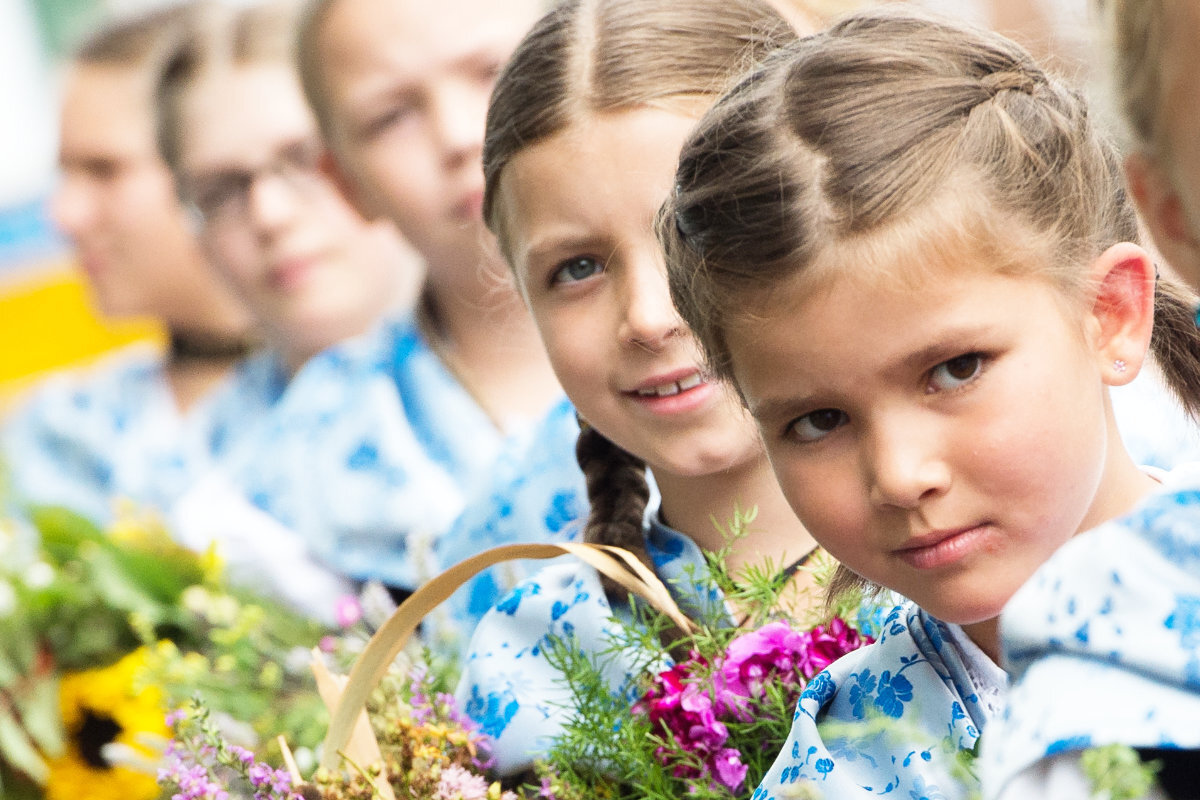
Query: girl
{"points": [[120, 431], [910, 251], [400, 89], [583, 131], [1073, 642], [245, 152]]}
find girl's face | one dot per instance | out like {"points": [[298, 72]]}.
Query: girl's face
{"points": [[578, 213], [407, 83], [941, 440], [306, 263]]}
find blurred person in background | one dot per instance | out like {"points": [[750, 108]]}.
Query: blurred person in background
{"points": [[120, 429], [400, 88], [246, 154]]}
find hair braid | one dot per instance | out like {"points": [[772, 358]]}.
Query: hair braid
{"points": [[618, 494], [1176, 342]]}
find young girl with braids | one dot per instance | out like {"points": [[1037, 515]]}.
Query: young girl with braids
{"points": [[1116, 613], [583, 132], [911, 252]]}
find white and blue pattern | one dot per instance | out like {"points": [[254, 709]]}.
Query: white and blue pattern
{"points": [[373, 452], [511, 689], [1103, 643], [82, 439], [888, 719]]}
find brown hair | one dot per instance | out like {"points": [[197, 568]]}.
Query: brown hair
{"points": [[595, 56], [143, 41], [221, 38], [856, 138]]}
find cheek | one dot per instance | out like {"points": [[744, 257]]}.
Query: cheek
{"points": [[825, 497]]}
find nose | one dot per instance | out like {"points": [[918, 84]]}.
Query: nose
{"points": [[271, 203], [460, 113], [649, 318], [905, 465]]}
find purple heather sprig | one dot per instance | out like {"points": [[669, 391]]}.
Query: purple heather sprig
{"points": [[198, 754]]}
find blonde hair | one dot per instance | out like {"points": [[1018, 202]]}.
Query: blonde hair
{"points": [[877, 133], [598, 56], [221, 38]]}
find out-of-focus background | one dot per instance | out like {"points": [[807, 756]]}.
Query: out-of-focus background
{"points": [[45, 319]]}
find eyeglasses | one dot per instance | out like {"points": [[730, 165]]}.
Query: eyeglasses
{"points": [[223, 197]]}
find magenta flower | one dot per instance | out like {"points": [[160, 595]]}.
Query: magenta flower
{"points": [[347, 611], [688, 703]]}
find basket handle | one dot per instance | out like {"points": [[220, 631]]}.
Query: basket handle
{"points": [[373, 662]]}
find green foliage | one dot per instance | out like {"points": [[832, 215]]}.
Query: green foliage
{"points": [[1117, 772], [608, 752]]}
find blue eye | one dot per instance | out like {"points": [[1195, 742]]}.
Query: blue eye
{"points": [[576, 269], [818, 424], [956, 372]]}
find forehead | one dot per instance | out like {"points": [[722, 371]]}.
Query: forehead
{"points": [[409, 40], [604, 173], [107, 112], [243, 114]]}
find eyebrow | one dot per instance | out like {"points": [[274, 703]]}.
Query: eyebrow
{"points": [[951, 342]]}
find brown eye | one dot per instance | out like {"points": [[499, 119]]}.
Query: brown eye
{"points": [[956, 372], [817, 424]]}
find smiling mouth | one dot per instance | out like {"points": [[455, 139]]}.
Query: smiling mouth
{"points": [[673, 388]]}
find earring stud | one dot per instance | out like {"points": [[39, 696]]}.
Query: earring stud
{"points": [[1119, 365]]}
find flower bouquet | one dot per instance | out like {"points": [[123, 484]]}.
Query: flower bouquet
{"points": [[101, 631], [706, 715]]}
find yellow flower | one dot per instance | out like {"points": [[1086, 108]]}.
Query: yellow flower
{"points": [[106, 707]]}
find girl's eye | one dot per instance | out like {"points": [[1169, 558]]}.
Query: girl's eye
{"points": [[576, 269], [817, 424], [956, 372]]}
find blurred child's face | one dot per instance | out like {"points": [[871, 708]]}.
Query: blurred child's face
{"points": [[408, 84], [116, 201], [578, 211], [1168, 190], [311, 269], [941, 440]]}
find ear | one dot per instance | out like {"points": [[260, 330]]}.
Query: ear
{"points": [[1163, 213], [1122, 313]]}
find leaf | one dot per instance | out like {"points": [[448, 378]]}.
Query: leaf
{"points": [[18, 751], [40, 714]]}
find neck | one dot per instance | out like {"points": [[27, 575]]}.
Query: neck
{"points": [[197, 360], [489, 342], [775, 537]]}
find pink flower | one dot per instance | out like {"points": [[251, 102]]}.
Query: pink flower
{"points": [[690, 711], [457, 783], [730, 771], [347, 611]]}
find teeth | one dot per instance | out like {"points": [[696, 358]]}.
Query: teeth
{"points": [[666, 390]]}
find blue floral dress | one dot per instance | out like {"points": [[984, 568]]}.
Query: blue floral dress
{"points": [[84, 438], [1103, 643], [389, 470], [891, 718], [510, 688]]}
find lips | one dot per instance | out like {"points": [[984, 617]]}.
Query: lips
{"points": [[943, 548]]}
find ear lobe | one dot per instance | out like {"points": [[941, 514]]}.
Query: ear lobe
{"points": [[1123, 311]]}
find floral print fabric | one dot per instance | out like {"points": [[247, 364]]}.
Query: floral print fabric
{"points": [[388, 469], [1103, 643], [82, 439], [887, 720], [508, 685]]}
